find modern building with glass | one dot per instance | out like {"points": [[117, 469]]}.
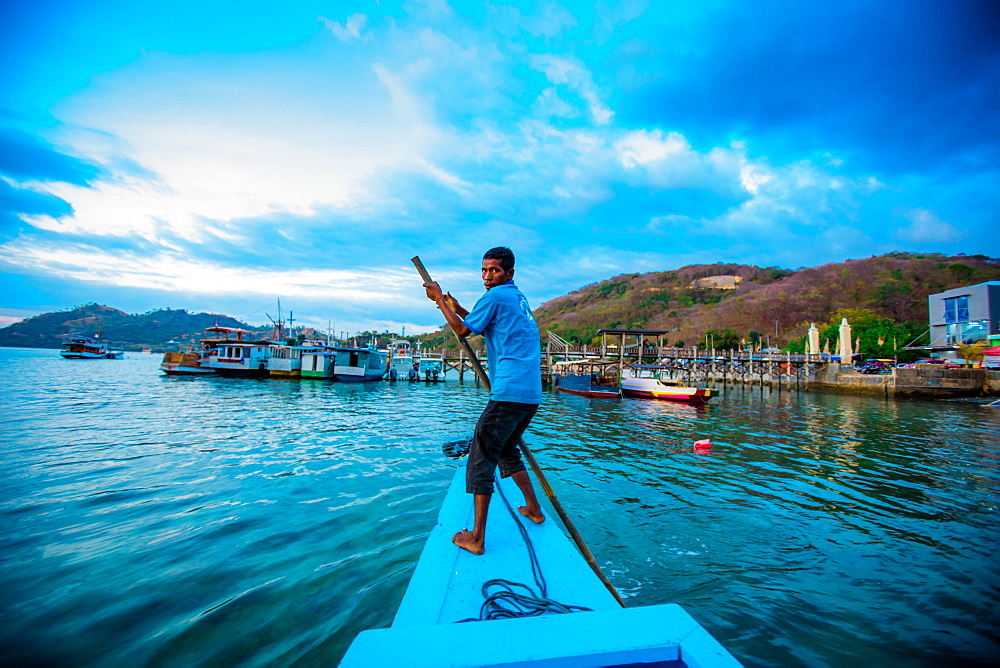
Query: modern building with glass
{"points": [[965, 315]]}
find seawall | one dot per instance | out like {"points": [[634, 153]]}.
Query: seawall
{"points": [[923, 381]]}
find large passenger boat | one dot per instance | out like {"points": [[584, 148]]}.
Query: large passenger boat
{"points": [[229, 353]]}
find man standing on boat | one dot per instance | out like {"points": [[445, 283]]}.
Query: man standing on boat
{"points": [[503, 316]]}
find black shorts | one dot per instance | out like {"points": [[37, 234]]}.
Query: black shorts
{"points": [[495, 442]]}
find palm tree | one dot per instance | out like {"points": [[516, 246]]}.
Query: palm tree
{"points": [[972, 352]]}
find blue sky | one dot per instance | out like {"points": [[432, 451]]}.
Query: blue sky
{"points": [[220, 155]]}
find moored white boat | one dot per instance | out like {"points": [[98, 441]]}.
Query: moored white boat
{"points": [[402, 364], [285, 361], [88, 348], [431, 367], [646, 380], [357, 364], [317, 360], [446, 588]]}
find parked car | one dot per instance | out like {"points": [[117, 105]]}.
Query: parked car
{"points": [[875, 366]]}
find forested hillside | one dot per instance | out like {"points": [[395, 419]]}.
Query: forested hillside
{"points": [[767, 302]]}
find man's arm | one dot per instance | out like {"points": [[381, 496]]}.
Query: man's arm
{"points": [[448, 305]]}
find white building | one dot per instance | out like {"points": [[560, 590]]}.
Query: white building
{"points": [[964, 315]]}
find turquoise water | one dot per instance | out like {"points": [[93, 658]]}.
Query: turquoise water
{"points": [[149, 520]]}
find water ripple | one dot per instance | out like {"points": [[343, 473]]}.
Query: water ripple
{"points": [[171, 522]]}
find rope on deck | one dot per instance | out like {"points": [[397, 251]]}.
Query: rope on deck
{"points": [[515, 599]]}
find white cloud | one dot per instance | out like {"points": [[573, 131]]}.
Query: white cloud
{"points": [[351, 29], [666, 160], [177, 274], [548, 21], [753, 177], [213, 146], [571, 73], [643, 147], [429, 132], [927, 227], [548, 103]]}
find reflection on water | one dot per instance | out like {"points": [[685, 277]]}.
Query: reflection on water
{"points": [[172, 521]]}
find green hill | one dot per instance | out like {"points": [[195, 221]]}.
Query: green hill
{"points": [[147, 330]]}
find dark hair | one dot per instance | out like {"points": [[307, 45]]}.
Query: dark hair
{"points": [[502, 253]]}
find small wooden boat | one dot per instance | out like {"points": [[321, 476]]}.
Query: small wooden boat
{"points": [[446, 588], [186, 362], [646, 380], [597, 379]]}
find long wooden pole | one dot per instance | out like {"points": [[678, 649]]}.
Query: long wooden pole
{"points": [[542, 480]]}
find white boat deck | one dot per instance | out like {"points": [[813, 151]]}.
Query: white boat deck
{"points": [[446, 588]]}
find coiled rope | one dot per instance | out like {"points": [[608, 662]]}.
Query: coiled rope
{"points": [[505, 599]]}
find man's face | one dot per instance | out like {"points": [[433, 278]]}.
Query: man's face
{"points": [[494, 274]]}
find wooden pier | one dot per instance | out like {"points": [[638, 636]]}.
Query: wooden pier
{"points": [[691, 365]]}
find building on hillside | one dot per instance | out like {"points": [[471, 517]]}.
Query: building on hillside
{"points": [[964, 315], [717, 282]]}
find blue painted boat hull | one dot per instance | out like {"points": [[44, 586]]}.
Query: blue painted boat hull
{"points": [[446, 588], [583, 384]]}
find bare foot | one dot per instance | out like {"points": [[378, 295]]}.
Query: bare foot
{"points": [[465, 540], [535, 517]]}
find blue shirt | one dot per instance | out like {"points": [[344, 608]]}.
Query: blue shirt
{"points": [[503, 316]]}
